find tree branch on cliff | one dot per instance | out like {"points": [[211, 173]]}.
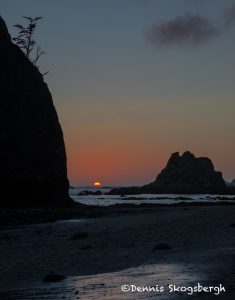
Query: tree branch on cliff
{"points": [[25, 40]]}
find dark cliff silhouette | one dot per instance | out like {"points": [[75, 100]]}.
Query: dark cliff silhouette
{"points": [[184, 174], [32, 153]]}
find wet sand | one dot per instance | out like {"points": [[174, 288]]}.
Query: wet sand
{"points": [[99, 255]]}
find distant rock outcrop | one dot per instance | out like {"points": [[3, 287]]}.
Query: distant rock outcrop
{"points": [[32, 153], [184, 174], [187, 173]]}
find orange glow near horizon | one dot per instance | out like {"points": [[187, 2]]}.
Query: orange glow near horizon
{"points": [[131, 152], [114, 167], [127, 167], [96, 183]]}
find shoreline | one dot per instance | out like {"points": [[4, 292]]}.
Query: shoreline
{"points": [[20, 216], [97, 254]]}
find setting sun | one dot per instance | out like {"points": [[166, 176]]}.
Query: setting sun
{"points": [[97, 183]]}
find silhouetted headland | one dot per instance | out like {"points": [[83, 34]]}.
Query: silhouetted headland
{"points": [[184, 174], [33, 158]]}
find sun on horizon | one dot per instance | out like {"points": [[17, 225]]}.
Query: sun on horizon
{"points": [[96, 183]]}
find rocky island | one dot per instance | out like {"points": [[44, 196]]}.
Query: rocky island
{"points": [[184, 174]]}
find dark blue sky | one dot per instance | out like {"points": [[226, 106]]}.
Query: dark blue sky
{"points": [[134, 80]]}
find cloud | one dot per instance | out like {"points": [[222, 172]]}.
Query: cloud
{"points": [[229, 14], [188, 29]]}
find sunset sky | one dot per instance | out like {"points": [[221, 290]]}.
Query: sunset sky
{"points": [[135, 80]]}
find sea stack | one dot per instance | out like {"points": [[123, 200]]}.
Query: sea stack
{"points": [[189, 174], [184, 174], [32, 154]]}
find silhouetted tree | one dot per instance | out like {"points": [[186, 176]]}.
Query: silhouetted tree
{"points": [[25, 40]]}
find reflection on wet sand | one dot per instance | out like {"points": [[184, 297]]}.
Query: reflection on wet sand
{"points": [[109, 285], [96, 256]]}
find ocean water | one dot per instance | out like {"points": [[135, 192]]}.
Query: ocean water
{"points": [[107, 200]]}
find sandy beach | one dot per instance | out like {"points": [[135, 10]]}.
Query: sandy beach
{"points": [[99, 255]]}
